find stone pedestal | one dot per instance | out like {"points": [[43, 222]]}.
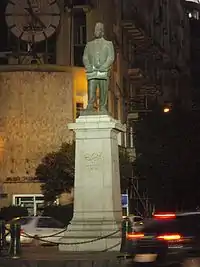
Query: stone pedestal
{"points": [[97, 196]]}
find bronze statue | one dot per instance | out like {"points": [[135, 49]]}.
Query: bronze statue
{"points": [[98, 58]]}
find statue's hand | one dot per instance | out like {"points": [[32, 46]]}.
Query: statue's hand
{"points": [[89, 69], [102, 69]]}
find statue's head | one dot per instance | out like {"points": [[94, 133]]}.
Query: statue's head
{"points": [[99, 30]]}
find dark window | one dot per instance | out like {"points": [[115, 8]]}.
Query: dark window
{"points": [[44, 51], [80, 35], [137, 219], [22, 221], [78, 55], [189, 223], [49, 223], [186, 225], [39, 198], [79, 22], [192, 219], [161, 226], [43, 223], [27, 199]]}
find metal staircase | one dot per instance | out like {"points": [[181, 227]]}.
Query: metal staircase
{"points": [[156, 61], [151, 57]]}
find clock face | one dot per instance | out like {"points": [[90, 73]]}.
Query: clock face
{"points": [[32, 20]]}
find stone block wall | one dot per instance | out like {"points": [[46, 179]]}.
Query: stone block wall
{"points": [[35, 108]]}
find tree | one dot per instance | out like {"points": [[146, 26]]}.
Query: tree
{"points": [[56, 171], [125, 168], [168, 158]]}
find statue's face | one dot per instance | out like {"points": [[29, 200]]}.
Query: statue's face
{"points": [[99, 31]]}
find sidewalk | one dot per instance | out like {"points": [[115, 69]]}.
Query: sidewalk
{"points": [[51, 257], [53, 253]]}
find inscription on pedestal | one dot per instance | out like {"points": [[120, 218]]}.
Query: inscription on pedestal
{"points": [[93, 160]]}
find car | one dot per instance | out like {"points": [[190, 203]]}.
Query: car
{"points": [[166, 239], [38, 230], [137, 223]]}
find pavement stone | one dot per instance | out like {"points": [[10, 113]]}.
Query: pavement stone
{"points": [[51, 257]]}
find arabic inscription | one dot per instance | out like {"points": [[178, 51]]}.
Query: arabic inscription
{"points": [[93, 160]]}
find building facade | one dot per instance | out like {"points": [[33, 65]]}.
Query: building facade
{"points": [[151, 40], [158, 54], [193, 10], [80, 18], [43, 87]]}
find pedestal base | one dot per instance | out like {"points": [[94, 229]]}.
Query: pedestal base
{"points": [[97, 197], [92, 236]]}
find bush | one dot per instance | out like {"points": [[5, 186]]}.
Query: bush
{"points": [[8, 213], [63, 213]]}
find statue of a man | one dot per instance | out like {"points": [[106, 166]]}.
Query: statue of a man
{"points": [[98, 58]]}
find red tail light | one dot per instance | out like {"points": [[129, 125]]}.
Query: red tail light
{"points": [[170, 237], [164, 215], [135, 235]]}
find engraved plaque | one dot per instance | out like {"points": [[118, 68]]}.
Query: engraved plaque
{"points": [[93, 160]]}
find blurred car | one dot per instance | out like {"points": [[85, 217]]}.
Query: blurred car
{"points": [[167, 239], [137, 223], [40, 229]]}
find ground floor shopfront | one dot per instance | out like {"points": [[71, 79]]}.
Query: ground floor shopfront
{"points": [[29, 195], [33, 203]]}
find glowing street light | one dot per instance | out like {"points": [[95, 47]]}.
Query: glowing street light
{"points": [[166, 110]]}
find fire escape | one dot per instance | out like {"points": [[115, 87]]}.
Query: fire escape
{"points": [[157, 48], [193, 9], [158, 55]]}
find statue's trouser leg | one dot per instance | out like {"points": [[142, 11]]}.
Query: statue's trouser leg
{"points": [[103, 93], [92, 85]]}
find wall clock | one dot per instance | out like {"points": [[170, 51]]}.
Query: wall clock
{"points": [[32, 20]]}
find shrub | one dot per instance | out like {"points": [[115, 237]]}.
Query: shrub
{"points": [[63, 213], [8, 213]]}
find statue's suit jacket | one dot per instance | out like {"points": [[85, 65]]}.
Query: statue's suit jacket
{"points": [[98, 58]]}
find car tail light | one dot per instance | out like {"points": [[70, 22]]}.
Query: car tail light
{"points": [[22, 231], [164, 215], [170, 237], [135, 235]]}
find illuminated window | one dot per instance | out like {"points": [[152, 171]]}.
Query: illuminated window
{"points": [[194, 14], [33, 203]]}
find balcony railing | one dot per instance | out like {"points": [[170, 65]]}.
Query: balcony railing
{"points": [[131, 12], [137, 103], [141, 103], [151, 23]]}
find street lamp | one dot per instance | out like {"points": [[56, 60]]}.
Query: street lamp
{"points": [[166, 110]]}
